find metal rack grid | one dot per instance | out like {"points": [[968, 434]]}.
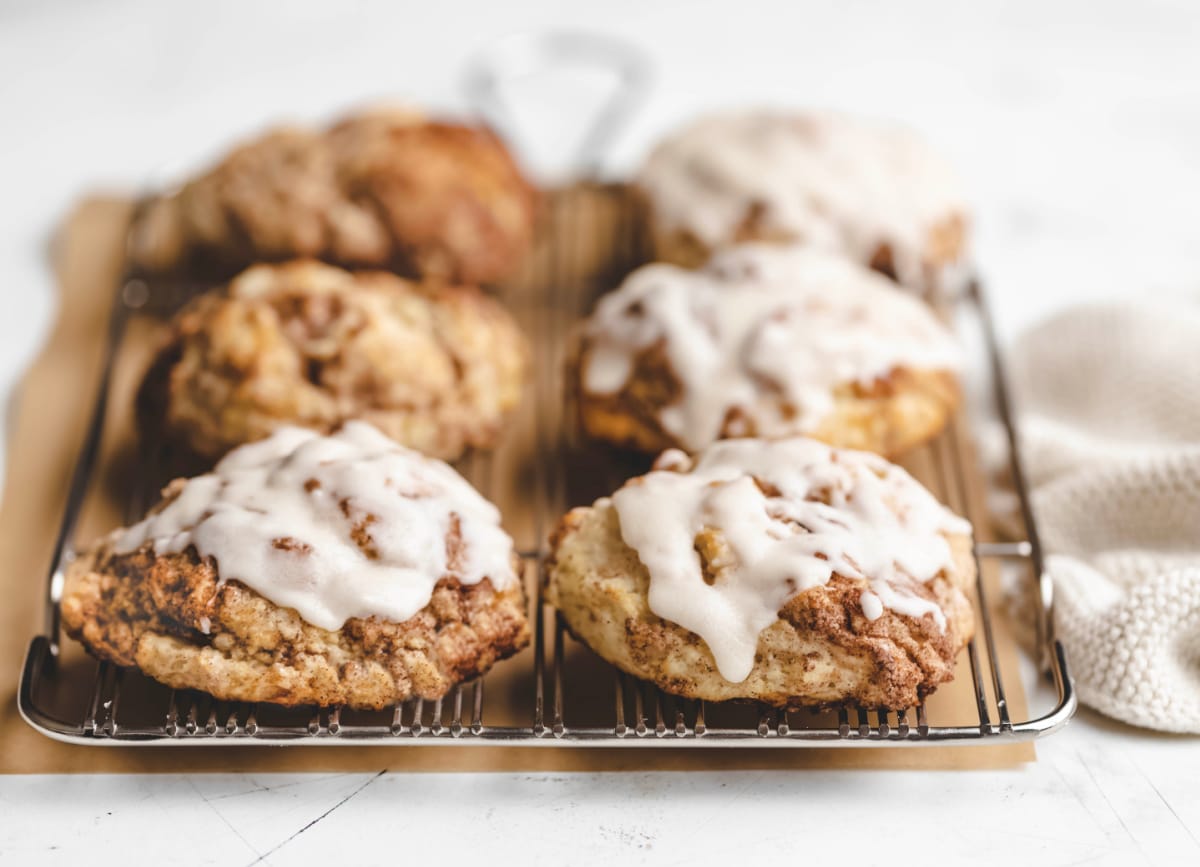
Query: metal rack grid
{"points": [[639, 714]]}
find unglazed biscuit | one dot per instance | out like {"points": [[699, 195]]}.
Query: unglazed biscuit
{"points": [[342, 570], [766, 340], [384, 189], [785, 572], [872, 192], [438, 369]]}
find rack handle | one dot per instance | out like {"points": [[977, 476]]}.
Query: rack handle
{"points": [[541, 53]]}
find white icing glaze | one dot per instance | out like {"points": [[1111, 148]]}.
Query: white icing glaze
{"points": [[277, 515], [872, 605], [767, 330], [820, 178], [872, 521]]}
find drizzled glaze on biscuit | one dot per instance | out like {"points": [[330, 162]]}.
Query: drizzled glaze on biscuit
{"points": [[763, 333], [821, 179], [335, 527], [728, 540]]}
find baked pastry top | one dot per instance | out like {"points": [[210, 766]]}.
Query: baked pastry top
{"points": [[386, 188], [872, 192], [766, 340], [438, 369], [783, 571], [307, 569]]}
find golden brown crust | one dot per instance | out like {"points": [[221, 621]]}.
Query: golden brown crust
{"points": [[822, 650], [385, 189], [436, 369], [890, 416], [171, 617]]}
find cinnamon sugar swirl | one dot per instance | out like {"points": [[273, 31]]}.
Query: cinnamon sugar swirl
{"points": [[785, 571], [436, 368], [765, 341], [307, 569], [872, 192], [386, 188]]}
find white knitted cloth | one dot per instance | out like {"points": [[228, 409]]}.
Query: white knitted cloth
{"points": [[1109, 407]]}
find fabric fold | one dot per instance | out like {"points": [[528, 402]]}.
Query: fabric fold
{"points": [[1108, 398]]}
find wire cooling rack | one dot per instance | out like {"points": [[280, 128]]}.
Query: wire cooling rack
{"points": [[559, 694]]}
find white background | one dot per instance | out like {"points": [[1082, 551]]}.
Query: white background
{"points": [[1077, 126]]}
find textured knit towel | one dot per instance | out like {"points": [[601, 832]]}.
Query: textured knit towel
{"points": [[1109, 403]]}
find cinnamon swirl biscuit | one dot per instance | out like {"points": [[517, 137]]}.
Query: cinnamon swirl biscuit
{"points": [[384, 189], [765, 341], [784, 571], [340, 570], [874, 193], [438, 369]]}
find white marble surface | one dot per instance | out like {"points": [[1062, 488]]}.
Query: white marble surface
{"points": [[1077, 125]]}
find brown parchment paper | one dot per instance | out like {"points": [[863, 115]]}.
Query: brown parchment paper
{"points": [[50, 413]]}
